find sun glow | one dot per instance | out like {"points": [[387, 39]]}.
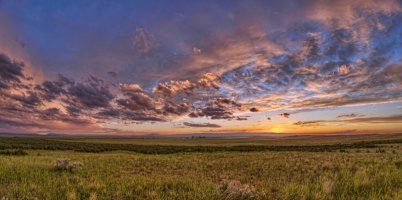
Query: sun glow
{"points": [[277, 129]]}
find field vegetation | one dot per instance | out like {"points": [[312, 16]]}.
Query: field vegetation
{"points": [[255, 168]]}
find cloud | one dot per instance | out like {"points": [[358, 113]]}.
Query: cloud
{"points": [[217, 108], [385, 119], [131, 88], [225, 102], [242, 118], [92, 94], [7, 122], [351, 115], [308, 123], [137, 101], [57, 115], [201, 125], [254, 109], [11, 72], [173, 87], [176, 109], [50, 90], [213, 113], [127, 115], [209, 80], [142, 40], [343, 69], [285, 115], [30, 99], [353, 118]]}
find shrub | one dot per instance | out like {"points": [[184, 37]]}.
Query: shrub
{"points": [[67, 165], [18, 152], [233, 189], [398, 164]]}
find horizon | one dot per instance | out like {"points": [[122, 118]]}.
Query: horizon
{"points": [[189, 135], [180, 68]]}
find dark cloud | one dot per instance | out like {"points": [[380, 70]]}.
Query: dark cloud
{"points": [[201, 125], [242, 118], [218, 108], [56, 115], [176, 109], [89, 95], [285, 115], [137, 101], [213, 113], [7, 122], [30, 99], [50, 90], [11, 72], [128, 116], [72, 110], [224, 102], [254, 109]]}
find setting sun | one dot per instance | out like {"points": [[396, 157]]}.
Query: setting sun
{"points": [[277, 129]]}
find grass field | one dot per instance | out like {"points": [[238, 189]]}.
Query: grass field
{"points": [[302, 167]]}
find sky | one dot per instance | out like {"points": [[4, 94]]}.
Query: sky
{"points": [[182, 67]]}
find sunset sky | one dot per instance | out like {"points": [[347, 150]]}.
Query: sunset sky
{"points": [[175, 67]]}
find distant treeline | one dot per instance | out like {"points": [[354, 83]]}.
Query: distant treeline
{"points": [[51, 144]]}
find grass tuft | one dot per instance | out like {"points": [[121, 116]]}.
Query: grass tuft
{"points": [[67, 165], [234, 189]]}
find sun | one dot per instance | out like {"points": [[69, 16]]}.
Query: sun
{"points": [[277, 129]]}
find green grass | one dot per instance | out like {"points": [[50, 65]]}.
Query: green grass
{"points": [[374, 172]]}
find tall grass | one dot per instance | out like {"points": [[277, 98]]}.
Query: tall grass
{"points": [[219, 175]]}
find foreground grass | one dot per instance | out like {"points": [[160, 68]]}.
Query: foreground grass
{"points": [[356, 174]]}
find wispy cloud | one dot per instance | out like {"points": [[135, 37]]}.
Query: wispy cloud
{"points": [[201, 125]]}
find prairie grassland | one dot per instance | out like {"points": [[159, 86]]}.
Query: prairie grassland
{"points": [[228, 141], [352, 173]]}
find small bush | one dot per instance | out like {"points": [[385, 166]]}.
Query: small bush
{"points": [[398, 164], [233, 189], [67, 165]]}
